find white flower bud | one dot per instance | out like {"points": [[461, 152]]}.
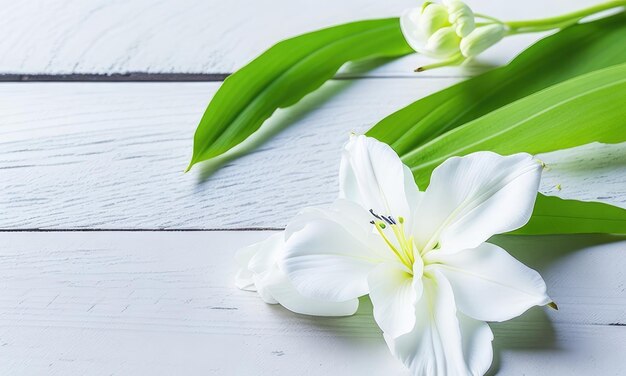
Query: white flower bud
{"points": [[448, 31], [461, 16], [482, 38], [433, 17], [436, 29], [444, 42]]}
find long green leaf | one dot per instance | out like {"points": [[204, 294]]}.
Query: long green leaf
{"points": [[584, 109], [284, 74], [578, 111], [553, 215], [569, 53]]}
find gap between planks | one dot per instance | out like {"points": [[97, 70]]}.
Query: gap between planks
{"points": [[140, 229], [178, 77]]}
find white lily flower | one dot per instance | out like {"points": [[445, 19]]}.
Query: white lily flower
{"points": [[448, 31], [259, 272], [422, 256]]}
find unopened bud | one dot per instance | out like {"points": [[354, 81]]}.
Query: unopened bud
{"points": [[444, 42], [436, 29], [461, 16], [482, 38], [447, 31]]}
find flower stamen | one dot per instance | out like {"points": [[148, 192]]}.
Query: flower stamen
{"points": [[405, 251]]}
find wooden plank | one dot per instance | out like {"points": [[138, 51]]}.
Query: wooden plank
{"points": [[163, 303], [115, 157], [199, 36], [106, 155], [595, 171]]}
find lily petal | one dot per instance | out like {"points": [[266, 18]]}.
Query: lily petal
{"points": [[279, 287], [462, 17], [471, 198], [444, 43], [488, 283], [477, 349], [263, 263], [264, 256], [415, 30], [325, 259], [243, 278], [434, 347], [259, 272], [372, 175], [394, 291]]}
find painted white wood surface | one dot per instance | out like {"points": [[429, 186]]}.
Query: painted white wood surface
{"points": [[95, 155], [111, 155], [593, 172], [105, 303], [205, 36]]}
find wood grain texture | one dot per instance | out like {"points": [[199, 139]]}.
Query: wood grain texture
{"points": [[106, 155], [595, 172], [200, 36], [103, 303], [112, 155]]}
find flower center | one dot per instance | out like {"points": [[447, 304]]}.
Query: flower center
{"points": [[393, 234]]}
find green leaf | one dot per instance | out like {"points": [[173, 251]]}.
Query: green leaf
{"points": [[553, 215], [577, 50], [578, 111], [569, 53], [584, 109], [284, 74]]}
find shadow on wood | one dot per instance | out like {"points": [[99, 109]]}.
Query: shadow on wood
{"points": [[283, 118]]}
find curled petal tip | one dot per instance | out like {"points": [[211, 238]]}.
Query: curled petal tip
{"points": [[553, 306], [542, 163]]}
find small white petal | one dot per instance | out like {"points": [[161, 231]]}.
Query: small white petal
{"points": [[443, 43], [324, 258], [279, 287], [462, 17], [477, 348], [260, 283], [481, 39], [434, 17], [488, 283], [266, 253], [410, 24], [464, 26], [263, 263], [471, 198], [435, 346], [394, 291], [259, 272], [244, 278], [372, 175], [354, 218]]}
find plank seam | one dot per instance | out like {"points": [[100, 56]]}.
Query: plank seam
{"points": [[175, 77], [139, 229]]}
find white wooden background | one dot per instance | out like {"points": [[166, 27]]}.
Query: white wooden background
{"points": [[101, 269]]}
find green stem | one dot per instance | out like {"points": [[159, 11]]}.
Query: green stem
{"points": [[456, 59], [517, 27], [479, 15]]}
